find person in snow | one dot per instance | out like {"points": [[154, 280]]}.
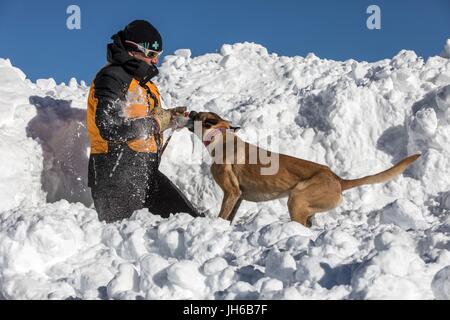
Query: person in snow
{"points": [[125, 122]]}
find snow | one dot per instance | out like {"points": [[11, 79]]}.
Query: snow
{"points": [[386, 241], [403, 213], [125, 280], [185, 53], [446, 52], [441, 284]]}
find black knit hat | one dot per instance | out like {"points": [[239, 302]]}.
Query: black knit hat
{"points": [[143, 33]]}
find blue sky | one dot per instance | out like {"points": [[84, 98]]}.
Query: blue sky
{"points": [[34, 36]]}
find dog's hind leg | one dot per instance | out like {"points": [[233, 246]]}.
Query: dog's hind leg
{"points": [[299, 210], [320, 193], [298, 205]]}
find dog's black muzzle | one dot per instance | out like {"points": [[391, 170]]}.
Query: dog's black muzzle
{"points": [[190, 123]]}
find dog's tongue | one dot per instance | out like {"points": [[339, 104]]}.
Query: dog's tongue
{"points": [[212, 135]]}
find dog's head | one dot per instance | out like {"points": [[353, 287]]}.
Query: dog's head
{"points": [[209, 121]]}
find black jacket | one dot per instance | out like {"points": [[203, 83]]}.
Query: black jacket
{"points": [[111, 85]]}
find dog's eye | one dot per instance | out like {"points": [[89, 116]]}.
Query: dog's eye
{"points": [[210, 122]]}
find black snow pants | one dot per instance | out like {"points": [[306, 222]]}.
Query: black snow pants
{"points": [[123, 181]]}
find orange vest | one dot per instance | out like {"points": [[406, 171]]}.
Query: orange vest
{"points": [[138, 105]]}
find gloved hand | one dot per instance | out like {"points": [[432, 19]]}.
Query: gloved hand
{"points": [[164, 118], [170, 118]]}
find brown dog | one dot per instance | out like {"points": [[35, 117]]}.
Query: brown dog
{"points": [[238, 168]]}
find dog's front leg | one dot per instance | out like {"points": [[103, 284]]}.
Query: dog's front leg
{"points": [[230, 205], [226, 179], [235, 209]]}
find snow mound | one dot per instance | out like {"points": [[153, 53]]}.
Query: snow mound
{"points": [[386, 241], [446, 52], [403, 213], [441, 284]]}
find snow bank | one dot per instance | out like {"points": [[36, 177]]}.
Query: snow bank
{"points": [[384, 242]]}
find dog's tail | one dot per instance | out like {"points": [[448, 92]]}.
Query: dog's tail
{"points": [[380, 177]]}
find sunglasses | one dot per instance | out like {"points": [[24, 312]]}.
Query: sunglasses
{"points": [[152, 54]]}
